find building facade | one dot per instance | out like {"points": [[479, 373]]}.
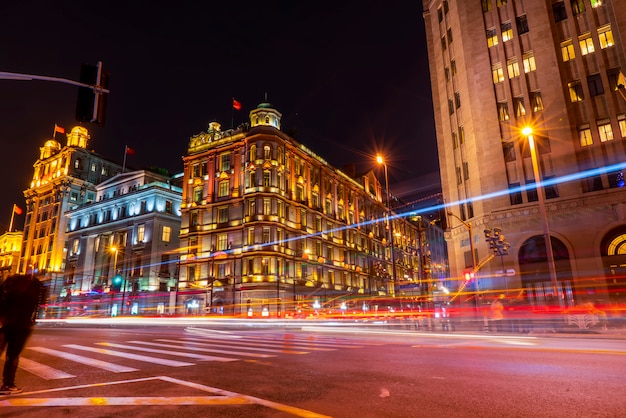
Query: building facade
{"points": [[122, 248], [268, 225], [10, 246], [64, 178], [496, 67]]}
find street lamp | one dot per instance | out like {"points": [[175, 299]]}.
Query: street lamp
{"points": [[468, 225], [499, 246], [528, 132], [380, 160]]}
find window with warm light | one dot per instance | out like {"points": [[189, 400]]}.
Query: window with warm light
{"points": [[222, 242], [267, 176], [621, 121], [266, 235], [529, 62], [503, 111], [222, 214], [497, 73], [461, 135], [486, 5], [492, 38], [596, 3], [222, 190], [512, 67], [166, 234], [267, 206], [605, 36], [578, 6], [536, 102], [586, 44], [605, 130], [575, 91], [507, 31], [141, 230], [584, 135], [567, 50]]}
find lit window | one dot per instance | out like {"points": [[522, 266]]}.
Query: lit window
{"points": [[513, 68], [501, 3], [486, 5], [596, 3], [605, 35], [498, 74], [266, 178], [267, 152], [536, 101], [578, 6], [575, 91], [222, 190], [461, 135], [222, 242], [492, 38], [584, 134], [166, 234], [141, 229], [75, 246], [503, 111], [507, 31], [605, 130], [567, 50], [252, 153], [518, 103], [586, 44], [455, 141], [266, 235], [224, 162], [267, 206], [621, 121], [529, 63], [197, 195]]}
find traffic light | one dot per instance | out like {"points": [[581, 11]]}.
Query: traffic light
{"points": [[468, 275], [91, 103], [117, 283]]}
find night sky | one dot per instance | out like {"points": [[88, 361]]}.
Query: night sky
{"points": [[350, 78]]}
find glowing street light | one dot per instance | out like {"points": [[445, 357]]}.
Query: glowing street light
{"points": [[528, 132], [380, 160]]}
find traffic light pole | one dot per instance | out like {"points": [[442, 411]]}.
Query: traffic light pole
{"points": [[28, 77]]}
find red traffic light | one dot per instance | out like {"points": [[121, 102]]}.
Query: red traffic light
{"points": [[468, 275]]}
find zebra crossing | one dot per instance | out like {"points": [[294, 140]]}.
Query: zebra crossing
{"points": [[195, 347]]}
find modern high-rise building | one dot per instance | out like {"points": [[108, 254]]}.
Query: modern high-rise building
{"points": [[498, 67], [267, 224]]}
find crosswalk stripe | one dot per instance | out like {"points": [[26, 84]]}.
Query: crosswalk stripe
{"points": [[43, 371], [169, 352], [222, 345], [208, 350], [304, 342], [271, 344], [148, 359], [84, 360]]}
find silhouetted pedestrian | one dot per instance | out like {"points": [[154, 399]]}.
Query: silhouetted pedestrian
{"points": [[19, 299]]}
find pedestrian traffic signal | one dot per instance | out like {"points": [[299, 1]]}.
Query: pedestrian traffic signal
{"points": [[91, 102], [117, 282]]}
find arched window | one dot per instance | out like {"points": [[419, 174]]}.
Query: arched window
{"points": [[267, 152]]}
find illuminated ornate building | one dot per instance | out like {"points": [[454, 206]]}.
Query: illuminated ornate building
{"points": [[130, 231], [497, 67], [267, 224], [64, 178], [10, 245]]}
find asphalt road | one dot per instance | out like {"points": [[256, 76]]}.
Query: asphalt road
{"points": [[314, 371]]}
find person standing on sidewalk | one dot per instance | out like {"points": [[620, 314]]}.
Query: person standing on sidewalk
{"points": [[497, 313], [19, 299]]}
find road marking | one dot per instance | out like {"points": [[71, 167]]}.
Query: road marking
{"points": [[148, 359], [208, 350], [84, 360], [307, 343], [43, 371], [168, 352], [219, 397], [245, 346]]}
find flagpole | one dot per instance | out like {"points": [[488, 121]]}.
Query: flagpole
{"points": [[125, 152], [232, 114], [12, 216]]}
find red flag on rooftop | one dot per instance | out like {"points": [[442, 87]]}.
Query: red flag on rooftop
{"points": [[236, 104], [17, 209], [129, 150]]}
